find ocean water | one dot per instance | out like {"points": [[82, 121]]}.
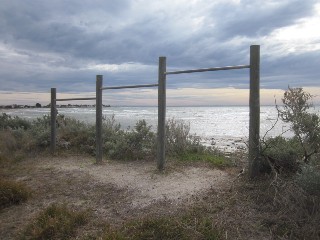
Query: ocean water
{"points": [[205, 122], [227, 127]]}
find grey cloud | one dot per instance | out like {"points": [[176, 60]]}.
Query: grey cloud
{"points": [[66, 36], [256, 18]]}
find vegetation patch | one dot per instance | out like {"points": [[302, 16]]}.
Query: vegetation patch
{"points": [[137, 143], [284, 155], [309, 179], [290, 211], [12, 193], [55, 222], [206, 156], [165, 227]]}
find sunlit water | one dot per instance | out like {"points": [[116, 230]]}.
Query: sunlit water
{"points": [[222, 123]]}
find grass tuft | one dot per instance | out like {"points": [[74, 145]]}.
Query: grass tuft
{"points": [[12, 193], [55, 222], [187, 226], [162, 228], [214, 159]]}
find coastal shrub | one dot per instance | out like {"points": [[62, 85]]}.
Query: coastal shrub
{"points": [[135, 144], [20, 135], [8, 141], [12, 193], [13, 145], [309, 179], [76, 135], [40, 133], [184, 146], [287, 154], [305, 125], [114, 138], [177, 137], [140, 142], [179, 141], [9, 122], [55, 222], [283, 154]]}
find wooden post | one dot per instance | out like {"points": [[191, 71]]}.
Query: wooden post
{"points": [[99, 81], [53, 121], [254, 102], [161, 113]]}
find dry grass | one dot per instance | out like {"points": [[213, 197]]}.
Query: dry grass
{"points": [[280, 207], [55, 222], [12, 193], [294, 213], [268, 208]]}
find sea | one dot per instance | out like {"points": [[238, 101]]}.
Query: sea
{"points": [[226, 127]]}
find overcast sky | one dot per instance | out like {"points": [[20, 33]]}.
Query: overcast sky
{"points": [[65, 44]]}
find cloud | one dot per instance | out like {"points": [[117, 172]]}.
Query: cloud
{"points": [[64, 44]]}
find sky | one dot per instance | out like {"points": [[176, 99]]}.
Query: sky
{"points": [[65, 44]]}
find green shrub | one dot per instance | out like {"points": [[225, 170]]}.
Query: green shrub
{"points": [[178, 138], [309, 179], [9, 122], [131, 145], [40, 133], [284, 154], [76, 135], [8, 141], [55, 222], [305, 125], [12, 193], [13, 145], [179, 141], [23, 135]]}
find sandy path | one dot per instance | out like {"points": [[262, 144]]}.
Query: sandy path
{"points": [[145, 184], [113, 192]]}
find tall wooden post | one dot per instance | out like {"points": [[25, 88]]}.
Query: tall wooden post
{"points": [[53, 121], [99, 81], [161, 112], [254, 103]]}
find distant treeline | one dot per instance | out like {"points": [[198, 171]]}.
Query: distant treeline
{"points": [[38, 105]]}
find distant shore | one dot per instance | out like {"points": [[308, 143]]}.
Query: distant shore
{"points": [[38, 105]]}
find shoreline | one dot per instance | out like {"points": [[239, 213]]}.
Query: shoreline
{"points": [[226, 144]]}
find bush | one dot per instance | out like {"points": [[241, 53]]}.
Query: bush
{"points": [[40, 133], [55, 222], [12, 193], [305, 125], [309, 179], [76, 135], [9, 122], [283, 154], [130, 145], [179, 141]]}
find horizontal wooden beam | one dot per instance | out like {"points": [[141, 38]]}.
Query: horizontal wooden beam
{"points": [[131, 86], [209, 69], [73, 99]]}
